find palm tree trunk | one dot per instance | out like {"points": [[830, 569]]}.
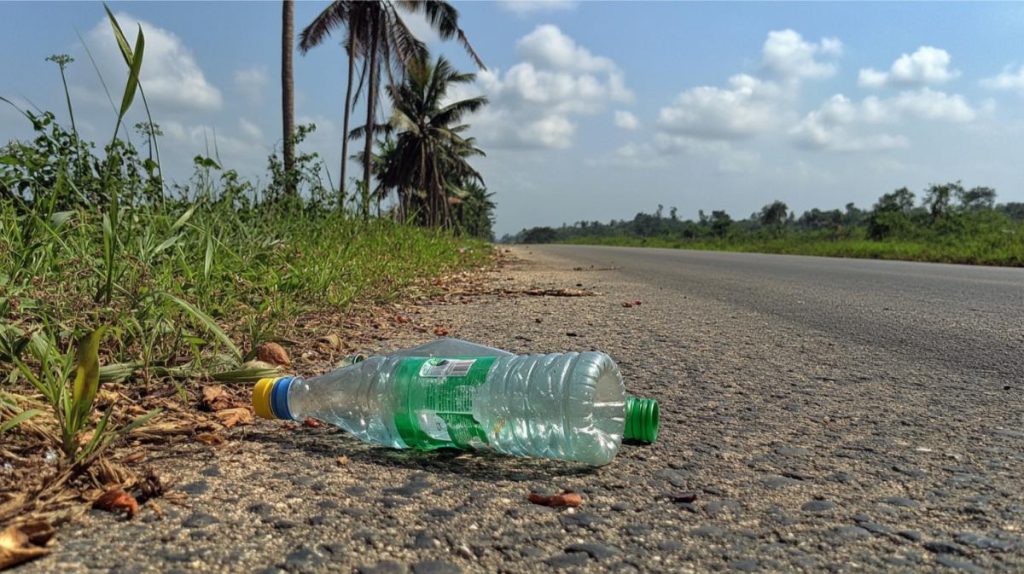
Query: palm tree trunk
{"points": [[344, 134], [371, 107], [287, 93]]}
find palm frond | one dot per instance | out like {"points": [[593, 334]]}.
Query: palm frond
{"points": [[335, 16], [404, 47], [444, 19], [455, 111]]}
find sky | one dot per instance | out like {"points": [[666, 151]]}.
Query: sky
{"points": [[598, 110]]}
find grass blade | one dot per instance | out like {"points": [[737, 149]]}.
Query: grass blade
{"points": [[122, 42], [184, 218], [87, 377], [208, 258], [135, 68], [99, 434], [207, 322], [139, 422], [18, 419]]}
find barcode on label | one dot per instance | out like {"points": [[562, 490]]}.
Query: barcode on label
{"points": [[460, 368], [447, 368]]}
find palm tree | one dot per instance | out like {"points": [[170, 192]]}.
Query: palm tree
{"points": [[428, 162], [475, 210], [288, 92], [377, 34]]}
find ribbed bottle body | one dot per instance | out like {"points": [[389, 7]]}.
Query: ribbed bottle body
{"points": [[568, 406]]}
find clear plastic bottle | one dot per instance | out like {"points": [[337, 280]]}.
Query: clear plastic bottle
{"points": [[456, 394]]}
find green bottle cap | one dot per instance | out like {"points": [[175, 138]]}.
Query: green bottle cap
{"points": [[641, 419]]}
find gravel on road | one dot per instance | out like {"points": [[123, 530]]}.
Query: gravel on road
{"points": [[785, 445]]}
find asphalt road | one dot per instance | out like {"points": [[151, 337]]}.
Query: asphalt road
{"points": [[817, 415], [966, 318]]}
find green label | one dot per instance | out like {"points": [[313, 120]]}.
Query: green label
{"points": [[436, 404]]}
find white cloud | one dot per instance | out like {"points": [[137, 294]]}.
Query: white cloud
{"points": [[872, 78], [926, 66], [547, 46], [171, 77], [749, 106], [726, 157], [626, 120], [929, 104], [524, 7], [549, 131], [839, 124], [786, 53], [533, 103], [250, 129], [252, 83], [1006, 80], [822, 130], [632, 155]]}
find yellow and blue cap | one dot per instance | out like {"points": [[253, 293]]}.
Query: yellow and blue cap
{"points": [[270, 398]]}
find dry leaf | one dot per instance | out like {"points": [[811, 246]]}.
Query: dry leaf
{"points": [[215, 398], [16, 547], [440, 331], [210, 438], [133, 457], [110, 473], [312, 423], [331, 341], [149, 487], [235, 416], [342, 460], [273, 353], [567, 498], [115, 500]]}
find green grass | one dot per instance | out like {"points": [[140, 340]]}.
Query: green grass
{"points": [[178, 267], [186, 279], [966, 250]]}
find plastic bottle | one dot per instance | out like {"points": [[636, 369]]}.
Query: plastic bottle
{"points": [[452, 393]]}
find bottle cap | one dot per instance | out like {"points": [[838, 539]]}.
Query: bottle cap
{"points": [[642, 419], [270, 398]]}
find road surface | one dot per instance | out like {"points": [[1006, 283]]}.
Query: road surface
{"points": [[969, 319], [817, 414]]}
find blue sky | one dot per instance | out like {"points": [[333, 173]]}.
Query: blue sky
{"points": [[599, 110]]}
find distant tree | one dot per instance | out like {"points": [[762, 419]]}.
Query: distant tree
{"points": [[646, 225], [720, 223], [539, 235], [900, 200], [977, 198], [773, 214], [853, 216], [938, 198], [1013, 210], [475, 212], [673, 214], [817, 219], [891, 215]]}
